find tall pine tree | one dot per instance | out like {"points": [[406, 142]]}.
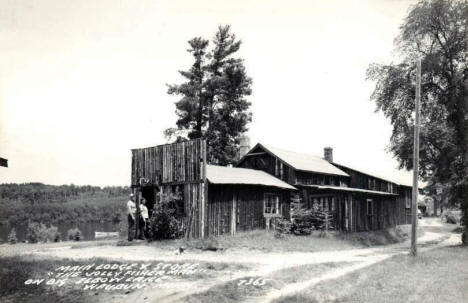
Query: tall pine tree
{"points": [[213, 102]]}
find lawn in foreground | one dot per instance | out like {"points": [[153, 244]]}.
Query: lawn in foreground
{"points": [[17, 270], [439, 275]]}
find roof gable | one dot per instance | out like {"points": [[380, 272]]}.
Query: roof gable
{"points": [[305, 162]]}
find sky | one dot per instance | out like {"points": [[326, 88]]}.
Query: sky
{"points": [[83, 82]]}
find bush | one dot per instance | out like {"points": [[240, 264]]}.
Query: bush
{"points": [[53, 234], [307, 220], [282, 226], [210, 243], [12, 239], [38, 232], [452, 217], [164, 224], [74, 234]]}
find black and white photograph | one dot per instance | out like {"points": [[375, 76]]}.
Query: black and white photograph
{"points": [[233, 151]]}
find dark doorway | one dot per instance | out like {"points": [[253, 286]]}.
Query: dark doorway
{"points": [[149, 193]]}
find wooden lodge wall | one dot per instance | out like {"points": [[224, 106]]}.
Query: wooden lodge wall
{"points": [[179, 164], [351, 213], [404, 213], [176, 163], [233, 208]]}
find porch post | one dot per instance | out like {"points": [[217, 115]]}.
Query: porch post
{"points": [[234, 215]]}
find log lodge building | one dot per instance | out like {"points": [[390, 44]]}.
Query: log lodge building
{"points": [[223, 200]]}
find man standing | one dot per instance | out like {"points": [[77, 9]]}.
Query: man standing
{"points": [[131, 211], [143, 218]]}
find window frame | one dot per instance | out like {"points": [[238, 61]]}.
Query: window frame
{"points": [[321, 200], [277, 207]]}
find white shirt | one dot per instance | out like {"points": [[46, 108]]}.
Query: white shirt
{"points": [[131, 208], [144, 211]]}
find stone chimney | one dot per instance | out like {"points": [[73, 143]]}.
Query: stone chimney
{"points": [[328, 154], [244, 145]]}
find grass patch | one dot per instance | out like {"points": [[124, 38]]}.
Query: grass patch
{"points": [[261, 240], [439, 275], [265, 241], [241, 289], [379, 237], [14, 271]]}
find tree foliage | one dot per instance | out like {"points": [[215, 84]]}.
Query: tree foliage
{"points": [[213, 101], [52, 204], [436, 32], [165, 224]]}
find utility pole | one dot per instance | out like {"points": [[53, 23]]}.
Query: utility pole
{"points": [[414, 204]]}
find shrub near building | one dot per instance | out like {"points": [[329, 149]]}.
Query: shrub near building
{"points": [[164, 223]]}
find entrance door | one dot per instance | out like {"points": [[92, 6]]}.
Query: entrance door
{"points": [[149, 193]]}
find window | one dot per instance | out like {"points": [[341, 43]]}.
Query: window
{"points": [[271, 205], [314, 179], [369, 207], [325, 204], [322, 203], [337, 181], [320, 180]]}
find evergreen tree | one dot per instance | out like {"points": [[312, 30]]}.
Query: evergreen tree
{"points": [[213, 101]]}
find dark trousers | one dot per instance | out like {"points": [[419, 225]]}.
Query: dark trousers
{"points": [[131, 225], [142, 228]]}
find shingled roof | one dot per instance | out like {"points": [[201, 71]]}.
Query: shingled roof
{"points": [[305, 162], [234, 175], [388, 179]]}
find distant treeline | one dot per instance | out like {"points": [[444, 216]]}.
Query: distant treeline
{"points": [[52, 204]]}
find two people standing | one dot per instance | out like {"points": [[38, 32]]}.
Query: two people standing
{"points": [[131, 217]]}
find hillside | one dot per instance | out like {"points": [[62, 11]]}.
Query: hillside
{"points": [[52, 204]]}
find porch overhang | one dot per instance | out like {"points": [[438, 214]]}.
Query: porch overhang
{"points": [[348, 189]]}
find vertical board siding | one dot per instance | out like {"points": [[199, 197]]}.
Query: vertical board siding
{"points": [[179, 163], [170, 163], [248, 207], [387, 211]]}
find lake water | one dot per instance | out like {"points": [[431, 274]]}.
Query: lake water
{"points": [[87, 229]]}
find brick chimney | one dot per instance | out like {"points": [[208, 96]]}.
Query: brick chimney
{"points": [[244, 145], [328, 154]]}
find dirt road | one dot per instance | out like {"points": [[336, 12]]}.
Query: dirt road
{"points": [[257, 263]]}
